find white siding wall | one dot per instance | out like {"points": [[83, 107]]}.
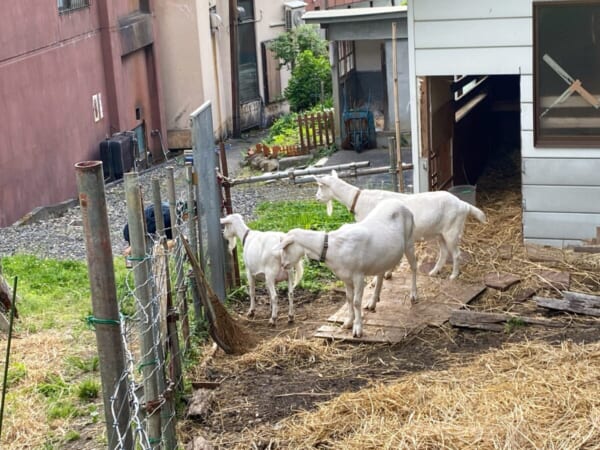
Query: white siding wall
{"points": [[561, 187]]}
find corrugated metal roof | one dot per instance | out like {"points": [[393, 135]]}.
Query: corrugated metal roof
{"points": [[354, 14]]}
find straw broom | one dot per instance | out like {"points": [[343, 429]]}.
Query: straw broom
{"points": [[232, 337]]}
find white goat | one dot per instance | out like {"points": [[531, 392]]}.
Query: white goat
{"points": [[369, 247], [261, 259], [437, 214]]}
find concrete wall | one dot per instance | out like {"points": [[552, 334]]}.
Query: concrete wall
{"points": [[471, 37]]}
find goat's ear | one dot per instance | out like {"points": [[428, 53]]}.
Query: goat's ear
{"points": [[285, 241], [330, 207], [225, 220], [334, 173]]}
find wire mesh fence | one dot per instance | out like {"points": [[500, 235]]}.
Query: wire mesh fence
{"points": [[144, 337]]}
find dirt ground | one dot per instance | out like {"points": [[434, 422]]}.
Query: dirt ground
{"points": [[250, 399]]}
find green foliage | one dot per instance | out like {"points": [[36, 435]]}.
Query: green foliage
{"points": [[287, 46], [310, 82], [84, 365], [53, 387], [88, 389], [284, 131], [72, 435], [513, 324], [62, 410], [16, 372]]}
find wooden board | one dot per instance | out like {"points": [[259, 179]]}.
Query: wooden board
{"points": [[501, 281], [394, 318]]}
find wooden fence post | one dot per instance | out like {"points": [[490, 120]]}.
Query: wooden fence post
{"points": [[111, 354], [141, 274]]}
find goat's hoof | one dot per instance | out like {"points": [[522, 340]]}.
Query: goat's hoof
{"points": [[356, 331], [347, 325], [433, 273], [250, 313], [387, 275], [290, 319], [454, 276], [370, 307], [272, 322]]}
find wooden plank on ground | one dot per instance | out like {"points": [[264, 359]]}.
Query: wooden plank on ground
{"points": [[558, 280], [395, 318], [500, 280], [579, 306], [495, 321]]}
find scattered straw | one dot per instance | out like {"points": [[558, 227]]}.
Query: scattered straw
{"points": [[531, 395], [287, 352]]}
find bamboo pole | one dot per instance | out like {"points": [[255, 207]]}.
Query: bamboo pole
{"points": [[393, 162], [397, 109], [141, 274], [111, 354], [168, 409], [180, 287]]}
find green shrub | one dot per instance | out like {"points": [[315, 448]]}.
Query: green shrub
{"points": [[310, 83], [88, 389]]}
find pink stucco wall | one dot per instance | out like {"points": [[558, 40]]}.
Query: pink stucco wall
{"points": [[50, 66]]}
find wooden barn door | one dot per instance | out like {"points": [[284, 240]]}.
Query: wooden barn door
{"points": [[437, 127]]}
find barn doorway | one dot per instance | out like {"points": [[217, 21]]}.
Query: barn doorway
{"points": [[471, 124]]}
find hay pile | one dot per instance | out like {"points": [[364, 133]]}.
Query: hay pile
{"points": [[287, 352], [531, 395]]}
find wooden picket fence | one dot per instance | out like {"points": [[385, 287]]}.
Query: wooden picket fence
{"points": [[275, 151], [316, 130]]}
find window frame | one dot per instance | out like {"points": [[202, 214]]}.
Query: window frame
{"points": [[541, 137], [73, 5]]}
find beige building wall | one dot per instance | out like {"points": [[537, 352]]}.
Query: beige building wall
{"points": [[196, 57]]}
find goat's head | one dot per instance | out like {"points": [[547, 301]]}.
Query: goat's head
{"points": [[324, 193], [289, 251], [229, 231]]}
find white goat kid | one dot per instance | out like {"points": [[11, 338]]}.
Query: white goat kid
{"points": [[353, 251], [437, 214], [261, 259]]}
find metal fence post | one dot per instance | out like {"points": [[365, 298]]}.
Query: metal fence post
{"points": [[141, 274], [111, 355]]}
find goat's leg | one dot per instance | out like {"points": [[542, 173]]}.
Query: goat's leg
{"points": [[441, 258], [376, 293], [409, 252], [453, 241], [252, 293], [273, 296], [290, 296], [349, 301], [359, 287]]}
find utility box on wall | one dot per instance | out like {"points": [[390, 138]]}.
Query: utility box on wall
{"points": [[117, 155]]}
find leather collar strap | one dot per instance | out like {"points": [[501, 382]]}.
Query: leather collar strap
{"points": [[354, 200], [325, 246], [245, 236]]}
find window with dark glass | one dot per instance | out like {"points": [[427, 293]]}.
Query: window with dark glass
{"points": [[70, 5], [248, 66], [567, 73]]}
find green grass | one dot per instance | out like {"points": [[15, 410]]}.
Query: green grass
{"points": [[53, 293], [306, 214]]}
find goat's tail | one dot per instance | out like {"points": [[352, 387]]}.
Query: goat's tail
{"points": [[298, 272], [479, 214]]}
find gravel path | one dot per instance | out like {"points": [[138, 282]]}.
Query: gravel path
{"points": [[61, 237]]}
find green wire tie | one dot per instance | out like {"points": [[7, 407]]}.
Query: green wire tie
{"points": [[134, 258], [149, 363], [154, 440], [92, 321]]}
